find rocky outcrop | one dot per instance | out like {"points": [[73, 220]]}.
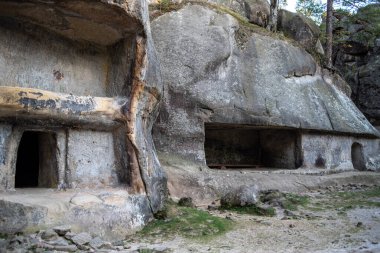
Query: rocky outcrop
{"points": [[254, 11], [357, 58], [208, 79], [301, 29]]}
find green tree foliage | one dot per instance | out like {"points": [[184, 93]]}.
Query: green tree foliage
{"points": [[368, 18], [313, 9], [316, 9], [283, 3], [352, 5], [360, 12]]}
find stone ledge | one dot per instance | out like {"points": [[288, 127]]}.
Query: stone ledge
{"points": [[18, 103]]}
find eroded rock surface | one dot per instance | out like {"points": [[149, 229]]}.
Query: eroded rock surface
{"points": [[208, 79], [60, 62], [301, 29]]}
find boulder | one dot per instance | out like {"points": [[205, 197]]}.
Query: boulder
{"points": [[16, 217], [243, 196], [49, 234], [238, 6], [257, 12], [62, 230], [300, 28], [81, 239]]}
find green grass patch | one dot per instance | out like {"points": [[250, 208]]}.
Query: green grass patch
{"points": [[3, 236], [371, 193], [346, 200], [146, 251], [187, 222], [353, 199], [252, 210], [293, 201]]}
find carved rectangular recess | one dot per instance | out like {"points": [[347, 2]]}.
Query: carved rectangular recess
{"points": [[241, 146]]}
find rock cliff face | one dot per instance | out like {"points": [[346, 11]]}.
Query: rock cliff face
{"points": [[358, 59], [269, 83], [80, 83], [252, 101]]}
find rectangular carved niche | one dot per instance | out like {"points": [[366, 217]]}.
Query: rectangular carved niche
{"points": [[241, 146]]}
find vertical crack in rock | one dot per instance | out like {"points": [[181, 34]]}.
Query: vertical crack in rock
{"points": [[137, 89]]}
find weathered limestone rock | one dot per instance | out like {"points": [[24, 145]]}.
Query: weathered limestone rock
{"points": [[256, 11], [15, 216], [39, 207], [80, 84], [49, 234], [301, 29], [81, 239], [85, 200], [337, 81], [267, 104], [62, 230], [243, 196], [269, 83]]}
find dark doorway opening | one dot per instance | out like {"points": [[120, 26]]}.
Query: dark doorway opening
{"points": [[357, 156], [240, 146], [36, 164]]}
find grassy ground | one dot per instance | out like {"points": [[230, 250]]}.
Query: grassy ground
{"points": [[316, 222], [187, 222], [345, 200], [253, 210], [293, 201]]}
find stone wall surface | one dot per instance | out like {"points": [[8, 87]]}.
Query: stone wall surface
{"points": [[5, 140], [98, 56], [269, 83], [55, 66], [335, 152], [109, 213], [91, 159]]}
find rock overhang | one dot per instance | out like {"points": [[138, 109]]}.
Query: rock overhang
{"points": [[269, 82], [99, 22]]}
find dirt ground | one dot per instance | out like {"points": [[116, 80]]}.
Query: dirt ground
{"points": [[328, 213], [334, 219]]}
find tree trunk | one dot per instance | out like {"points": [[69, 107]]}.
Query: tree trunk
{"points": [[272, 25], [329, 34]]}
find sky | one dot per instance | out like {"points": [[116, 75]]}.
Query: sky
{"points": [[292, 5]]}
